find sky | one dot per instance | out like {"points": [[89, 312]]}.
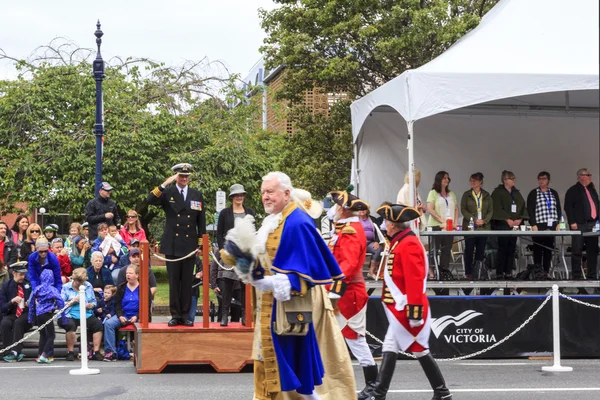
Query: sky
{"points": [[171, 31]]}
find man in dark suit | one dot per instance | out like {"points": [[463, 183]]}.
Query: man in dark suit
{"points": [[14, 309], [185, 224], [583, 210]]}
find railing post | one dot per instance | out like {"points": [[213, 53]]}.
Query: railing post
{"points": [[84, 370], [144, 285], [205, 282], [556, 334]]}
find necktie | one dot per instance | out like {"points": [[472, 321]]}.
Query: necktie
{"points": [[182, 195], [593, 210], [21, 294]]}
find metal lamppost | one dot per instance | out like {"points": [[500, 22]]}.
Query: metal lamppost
{"points": [[98, 68]]}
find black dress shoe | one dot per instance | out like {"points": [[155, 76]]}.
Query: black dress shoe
{"points": [[187, 322], [174, 322]]}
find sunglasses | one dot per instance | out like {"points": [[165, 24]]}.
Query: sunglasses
{"points": [[132, 216], [34, 231], [42, 251]]}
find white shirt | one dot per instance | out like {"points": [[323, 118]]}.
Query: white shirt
{"points": [[185, 190]]}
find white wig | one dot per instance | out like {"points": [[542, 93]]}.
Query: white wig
{"points": [[283, 180]]}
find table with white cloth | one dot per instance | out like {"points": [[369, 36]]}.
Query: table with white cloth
{"points": [[519, 233]]}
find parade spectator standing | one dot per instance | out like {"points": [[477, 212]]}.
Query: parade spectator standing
{"points": [[63, 258], [34, 231], [133, 228], [237, 194], [40, 260], [349, 247], [14, 308], [70, 293], [8, 249], [583, 210], [101, 209], [442, 207], [543, 207], [19, 232], [404, 197], [184, 226], [43, 301], [405, 303], [476, 205], [374, 245], [509, 213]]}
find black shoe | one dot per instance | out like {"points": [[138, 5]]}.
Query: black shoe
{"points": [[174, 322], [386, 372], [187, 322], [70, 356], [435, 378], [370, 373]]}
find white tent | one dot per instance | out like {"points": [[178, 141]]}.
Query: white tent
{"points": [[519, 92]]}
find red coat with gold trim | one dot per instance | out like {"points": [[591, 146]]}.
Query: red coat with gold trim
{"points": [[349, 247], [407, 265]]}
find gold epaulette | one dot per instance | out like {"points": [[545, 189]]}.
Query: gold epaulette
{"points": [[157, 192], [348, 229]]}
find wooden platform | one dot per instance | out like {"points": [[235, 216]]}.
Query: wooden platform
{"points": [[226, 349]]}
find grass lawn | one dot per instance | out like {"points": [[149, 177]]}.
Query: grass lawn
{"points": [[162, 294]]}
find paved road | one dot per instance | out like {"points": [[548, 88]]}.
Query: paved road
{"points": [[470, 380]]}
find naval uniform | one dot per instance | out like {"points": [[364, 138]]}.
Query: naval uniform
{"points": [[185, 224]]}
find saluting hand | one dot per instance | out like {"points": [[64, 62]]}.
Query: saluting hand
{"points": [[170, 180]]}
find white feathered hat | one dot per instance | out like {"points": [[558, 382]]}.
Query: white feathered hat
{"points": [[303, 198]]}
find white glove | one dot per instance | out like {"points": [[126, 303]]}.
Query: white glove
{"points": [[414, 323], [333, 296], [279, 284]]}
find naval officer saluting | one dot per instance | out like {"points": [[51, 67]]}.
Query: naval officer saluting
{"points": [[185, 224]]}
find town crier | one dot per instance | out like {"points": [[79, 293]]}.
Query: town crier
{"points": [[349, 246], [405, 303]]}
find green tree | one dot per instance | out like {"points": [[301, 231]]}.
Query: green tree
{"points": [[155, 116], [354, 46]]}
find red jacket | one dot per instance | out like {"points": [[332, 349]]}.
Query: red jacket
{"points": [[65, 265], [139, 235], [349, 247]]}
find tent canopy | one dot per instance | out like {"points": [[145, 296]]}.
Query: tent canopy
{"points": [[530, 68]]}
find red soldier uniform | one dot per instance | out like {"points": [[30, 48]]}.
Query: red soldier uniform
{"points": [[405, 303], [349, 247]]}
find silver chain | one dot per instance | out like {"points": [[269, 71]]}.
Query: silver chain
{"points": [[528, 320], [579, 301], [51, 320]]}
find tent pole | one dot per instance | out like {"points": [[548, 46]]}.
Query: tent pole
{"points": [[411, 170]]}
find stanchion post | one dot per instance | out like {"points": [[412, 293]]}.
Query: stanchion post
{"points": [[144, 285], [556, 334], [205, 282], [84, 370]]}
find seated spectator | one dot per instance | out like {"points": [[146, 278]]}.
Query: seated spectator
{"points": [[8, 250], [3, 275], [476, 205], [374, 244], [40, 260], [106, 309], [63, 259], [43, 301], [74, 231], [33, 233], [133, 228], [127, 306], [98, 275], [15, 310], [543, 208], [134, 259], [70, 293], [51, 232], [81, 253], [85, 230], [111, 245]]}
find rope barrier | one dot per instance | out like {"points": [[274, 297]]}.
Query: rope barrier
{"points": [[175, 259]]}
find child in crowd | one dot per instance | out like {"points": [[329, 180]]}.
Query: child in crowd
{"points": [[74, 231], [64, 260], [44, 299], [106, 306]]}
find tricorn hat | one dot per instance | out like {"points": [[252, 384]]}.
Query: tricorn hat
{"points": [[345, 199], [304, 200], [182, 169], [398, 213]]}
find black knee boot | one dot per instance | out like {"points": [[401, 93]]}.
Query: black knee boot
{"points": [[434, 375], [386, 371], [370, 372]]}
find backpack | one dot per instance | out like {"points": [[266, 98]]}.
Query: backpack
{"points": [[445, 274], [534, 272], [480, 271], [122, 350]]}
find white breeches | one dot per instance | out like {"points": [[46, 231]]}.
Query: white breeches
{"points": [[361, 351]]}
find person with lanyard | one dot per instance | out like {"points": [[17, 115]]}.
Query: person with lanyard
{"points": [[443, 215], [405, 304], [476, 206], [509, 212], [543, 207]]}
